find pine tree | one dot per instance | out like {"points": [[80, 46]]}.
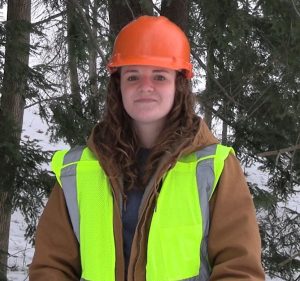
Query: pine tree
{"points": [[11, 110], [23, 180]]}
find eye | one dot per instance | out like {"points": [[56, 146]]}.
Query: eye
{"points": [[159, 77], [132, 78]]}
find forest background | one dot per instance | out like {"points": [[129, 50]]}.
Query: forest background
{"points": [[247, 76]]}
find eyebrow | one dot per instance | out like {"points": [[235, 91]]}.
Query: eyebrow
{"points": [[155, 71], [161, 70], [130, 70]]}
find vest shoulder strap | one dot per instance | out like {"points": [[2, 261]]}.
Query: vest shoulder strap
{"points": [[215, 156], [66, 158], [221, 154], [57, 163]]}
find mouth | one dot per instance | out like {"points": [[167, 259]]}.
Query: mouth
{"points": [[145, 100]]}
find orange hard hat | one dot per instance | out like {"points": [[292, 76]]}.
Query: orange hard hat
{"points": [[154, 41]]}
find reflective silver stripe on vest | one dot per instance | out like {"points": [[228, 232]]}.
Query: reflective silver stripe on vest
{"points": [[205, 189], [68, 180]]}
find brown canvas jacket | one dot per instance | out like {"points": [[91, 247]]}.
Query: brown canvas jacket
{"points": [[234, 245]]}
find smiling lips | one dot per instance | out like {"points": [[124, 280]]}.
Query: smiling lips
{"points": [[145, 100]]}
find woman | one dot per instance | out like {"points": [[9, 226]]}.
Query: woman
{"points": [[153, 196]]}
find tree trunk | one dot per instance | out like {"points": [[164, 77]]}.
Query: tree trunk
{"points": [[177, 11], [93, 83], [224, 125], [93, 54], [5, 216], [122, 12], [11, 111], [72, 36], [209, 86]]}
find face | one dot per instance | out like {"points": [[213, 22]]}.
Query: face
{"points": [[147, 93]]}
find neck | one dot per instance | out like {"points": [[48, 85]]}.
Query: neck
{"points": [[148, 133]]}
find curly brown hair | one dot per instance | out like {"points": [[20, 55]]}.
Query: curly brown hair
{"points": [[118, 142]]}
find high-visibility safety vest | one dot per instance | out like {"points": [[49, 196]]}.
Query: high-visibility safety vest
{"points": [[177, 242]]}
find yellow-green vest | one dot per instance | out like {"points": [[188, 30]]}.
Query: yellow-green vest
{"points": [[177, 242]]}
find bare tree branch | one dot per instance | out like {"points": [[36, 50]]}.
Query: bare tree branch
{"points": [[48, 19], [280, 151], [295, 7], [292, 160], [131, 11], [154, 6], [289, 259]]}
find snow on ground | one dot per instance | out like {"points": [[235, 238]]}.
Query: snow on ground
{"points": [[20, 252]]}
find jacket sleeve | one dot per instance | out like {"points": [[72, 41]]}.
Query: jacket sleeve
{"points": [[56, 256], [234, 245]]}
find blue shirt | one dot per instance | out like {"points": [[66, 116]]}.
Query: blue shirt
{"points": [[130, 215]]}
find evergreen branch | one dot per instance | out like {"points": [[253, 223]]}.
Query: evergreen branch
{"points": [[254, 107], [292, 160], [280, 151], [48, 19], [202, 64], [289, 259], [232, 125], [257, 5], [218, 114], [44, 100], [88, 28], [228, 122]]}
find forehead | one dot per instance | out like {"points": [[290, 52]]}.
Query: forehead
{"points": [[145, 68]]}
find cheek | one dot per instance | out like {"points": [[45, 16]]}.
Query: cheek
{"points": [[126, 99], [123, 91], [171, 96]]}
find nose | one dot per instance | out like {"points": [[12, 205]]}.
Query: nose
{"points": [[146, 84]]}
